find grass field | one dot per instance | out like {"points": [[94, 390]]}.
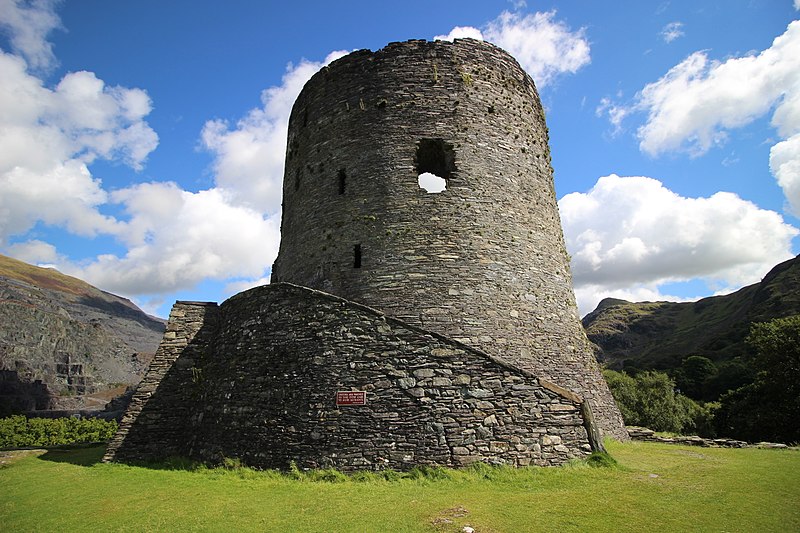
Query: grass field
{"points": [[655, 487]]}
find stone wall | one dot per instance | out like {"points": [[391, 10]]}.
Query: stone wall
{"points": [[160, 420], [257, 381], [483, 262]]}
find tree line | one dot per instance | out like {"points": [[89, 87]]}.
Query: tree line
{"points": [[754, 398]]}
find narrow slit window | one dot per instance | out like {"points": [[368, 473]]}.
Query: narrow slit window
{"points": [[357, 256], [297, 176], [342, 181]]}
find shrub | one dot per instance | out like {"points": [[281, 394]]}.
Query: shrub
{"points": [[649, 399], [601, 460], [18, 431]]}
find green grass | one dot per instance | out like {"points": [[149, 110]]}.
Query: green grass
{"points": [[645, 487]]}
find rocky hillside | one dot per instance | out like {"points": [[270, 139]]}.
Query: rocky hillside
{"points": [[65, 344], [660, 334]]}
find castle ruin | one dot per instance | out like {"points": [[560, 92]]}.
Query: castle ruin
{"points": [[401, 326]]}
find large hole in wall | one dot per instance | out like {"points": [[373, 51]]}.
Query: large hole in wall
{"points": [[435, 164], [432, 183]]}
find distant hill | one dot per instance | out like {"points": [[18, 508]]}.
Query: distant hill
{"points": [[660, 334], [65, 344]]}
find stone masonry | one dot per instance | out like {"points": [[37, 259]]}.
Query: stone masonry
{"points": [[262, 390], [452, 312], [483, 262]]}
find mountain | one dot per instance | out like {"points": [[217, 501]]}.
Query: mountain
{"points": [[660, 334], [66, 345]]}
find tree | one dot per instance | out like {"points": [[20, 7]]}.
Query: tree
{"points": [[649, 399], [694, 374], [768, 408]]}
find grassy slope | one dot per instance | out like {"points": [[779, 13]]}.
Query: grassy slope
{"points": [[44, 277], [660, 334], [657, 488]]}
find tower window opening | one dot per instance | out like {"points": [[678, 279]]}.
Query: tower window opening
{"points": [[435, 164], [357, 256], [342, 181], [297, 175]]}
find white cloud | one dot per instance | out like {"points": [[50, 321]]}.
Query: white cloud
{"points": [[631, 234], [235, 287], [35, 252], [697, 102], [49, 136], [249, 158], [175, 238], [616, 113], [797, 5], [178, 238], [672, 31], [461, 32], [544, 47], [28, 24], [784, 162]]}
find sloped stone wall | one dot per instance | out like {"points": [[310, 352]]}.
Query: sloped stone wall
{"points": [[160, 421], [270, 374]]}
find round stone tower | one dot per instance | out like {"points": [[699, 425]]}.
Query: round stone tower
{"points": [[484, 260]]}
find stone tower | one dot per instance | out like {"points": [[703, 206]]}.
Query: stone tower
{"points": [[482, 262]]}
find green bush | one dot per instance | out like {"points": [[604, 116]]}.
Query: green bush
{"points": [[649, 399], [18, 431]]}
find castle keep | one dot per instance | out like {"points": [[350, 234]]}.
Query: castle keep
{"points": [[452, 311]]}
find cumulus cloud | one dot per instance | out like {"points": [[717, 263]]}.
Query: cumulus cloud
{"points": [[544, 46], [461, 32], [628, 235], [27, 24], [248, 158], [35, 252], [49, 136], [178, 238], [672, 31], [174, 238], [784, 162], [696, 103]]}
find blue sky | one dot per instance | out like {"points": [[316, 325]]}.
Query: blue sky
{"points": [[142, 143]]}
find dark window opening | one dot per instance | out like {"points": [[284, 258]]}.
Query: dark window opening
{"points": [[297, 175], [305, 117], [357, 256], [435, 164], [342, 180], [436, 157]]}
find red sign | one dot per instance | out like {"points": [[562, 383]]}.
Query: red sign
{"points": [[351, 397]]}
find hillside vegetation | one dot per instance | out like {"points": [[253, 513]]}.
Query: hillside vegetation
{"points": [[659, 335], [723, 366]]}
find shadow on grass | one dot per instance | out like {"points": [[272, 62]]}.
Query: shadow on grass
{"points": [[76, 455]]}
